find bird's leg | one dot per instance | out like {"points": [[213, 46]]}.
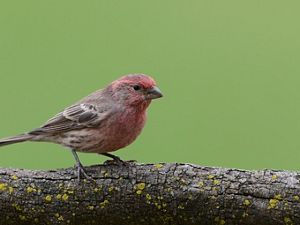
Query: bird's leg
{"points": [[115, 158], [80, 168]]}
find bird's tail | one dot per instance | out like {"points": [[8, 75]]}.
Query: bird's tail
{"points": [[15, 139]]}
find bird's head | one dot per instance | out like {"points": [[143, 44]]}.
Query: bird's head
{"points": [[135, 90]]}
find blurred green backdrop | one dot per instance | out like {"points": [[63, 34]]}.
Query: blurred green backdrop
{"points": [[229, 71]]}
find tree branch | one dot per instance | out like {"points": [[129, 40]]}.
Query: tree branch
{"points": [[150, 194]]}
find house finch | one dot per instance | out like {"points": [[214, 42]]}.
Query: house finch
{"points": [[102, 122]]}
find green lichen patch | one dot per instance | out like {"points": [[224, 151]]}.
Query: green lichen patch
{"points": [[3, 186], [48, 198], [278, 197], [210, 176], [59, 217], [90, 207], [157, 205], [219, 221], [246, 202], [158, 166], [70, 192], [14, 177], [58, 196], [22, 217], [10, 190], [30, 189], [111, 189], [98, 189], [216, 182], [104, 203], [180, 206], [148, 197], [16, 206], [200, 184], [273, 203], [287, 220], [140, 188], [65, 197]]}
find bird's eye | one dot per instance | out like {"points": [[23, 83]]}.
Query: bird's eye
{"points": [[137, 87]]}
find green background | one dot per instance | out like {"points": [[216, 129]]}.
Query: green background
{"points": [[229, 71]]}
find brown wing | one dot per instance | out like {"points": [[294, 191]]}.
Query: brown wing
{"points": [[72, 118]]}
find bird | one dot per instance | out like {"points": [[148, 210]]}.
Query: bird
{"points": [[104, 121]]}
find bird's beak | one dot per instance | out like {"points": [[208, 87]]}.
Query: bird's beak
{"points": [[154, 93]]}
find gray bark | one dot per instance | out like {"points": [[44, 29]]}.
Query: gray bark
{"points": [[150, 194]]}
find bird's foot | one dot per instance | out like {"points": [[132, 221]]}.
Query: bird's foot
{"points": [[81, 171], [116, 160], [119, 162]]}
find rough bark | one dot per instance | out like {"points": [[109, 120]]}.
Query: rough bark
{"points": [[150, 194]]}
